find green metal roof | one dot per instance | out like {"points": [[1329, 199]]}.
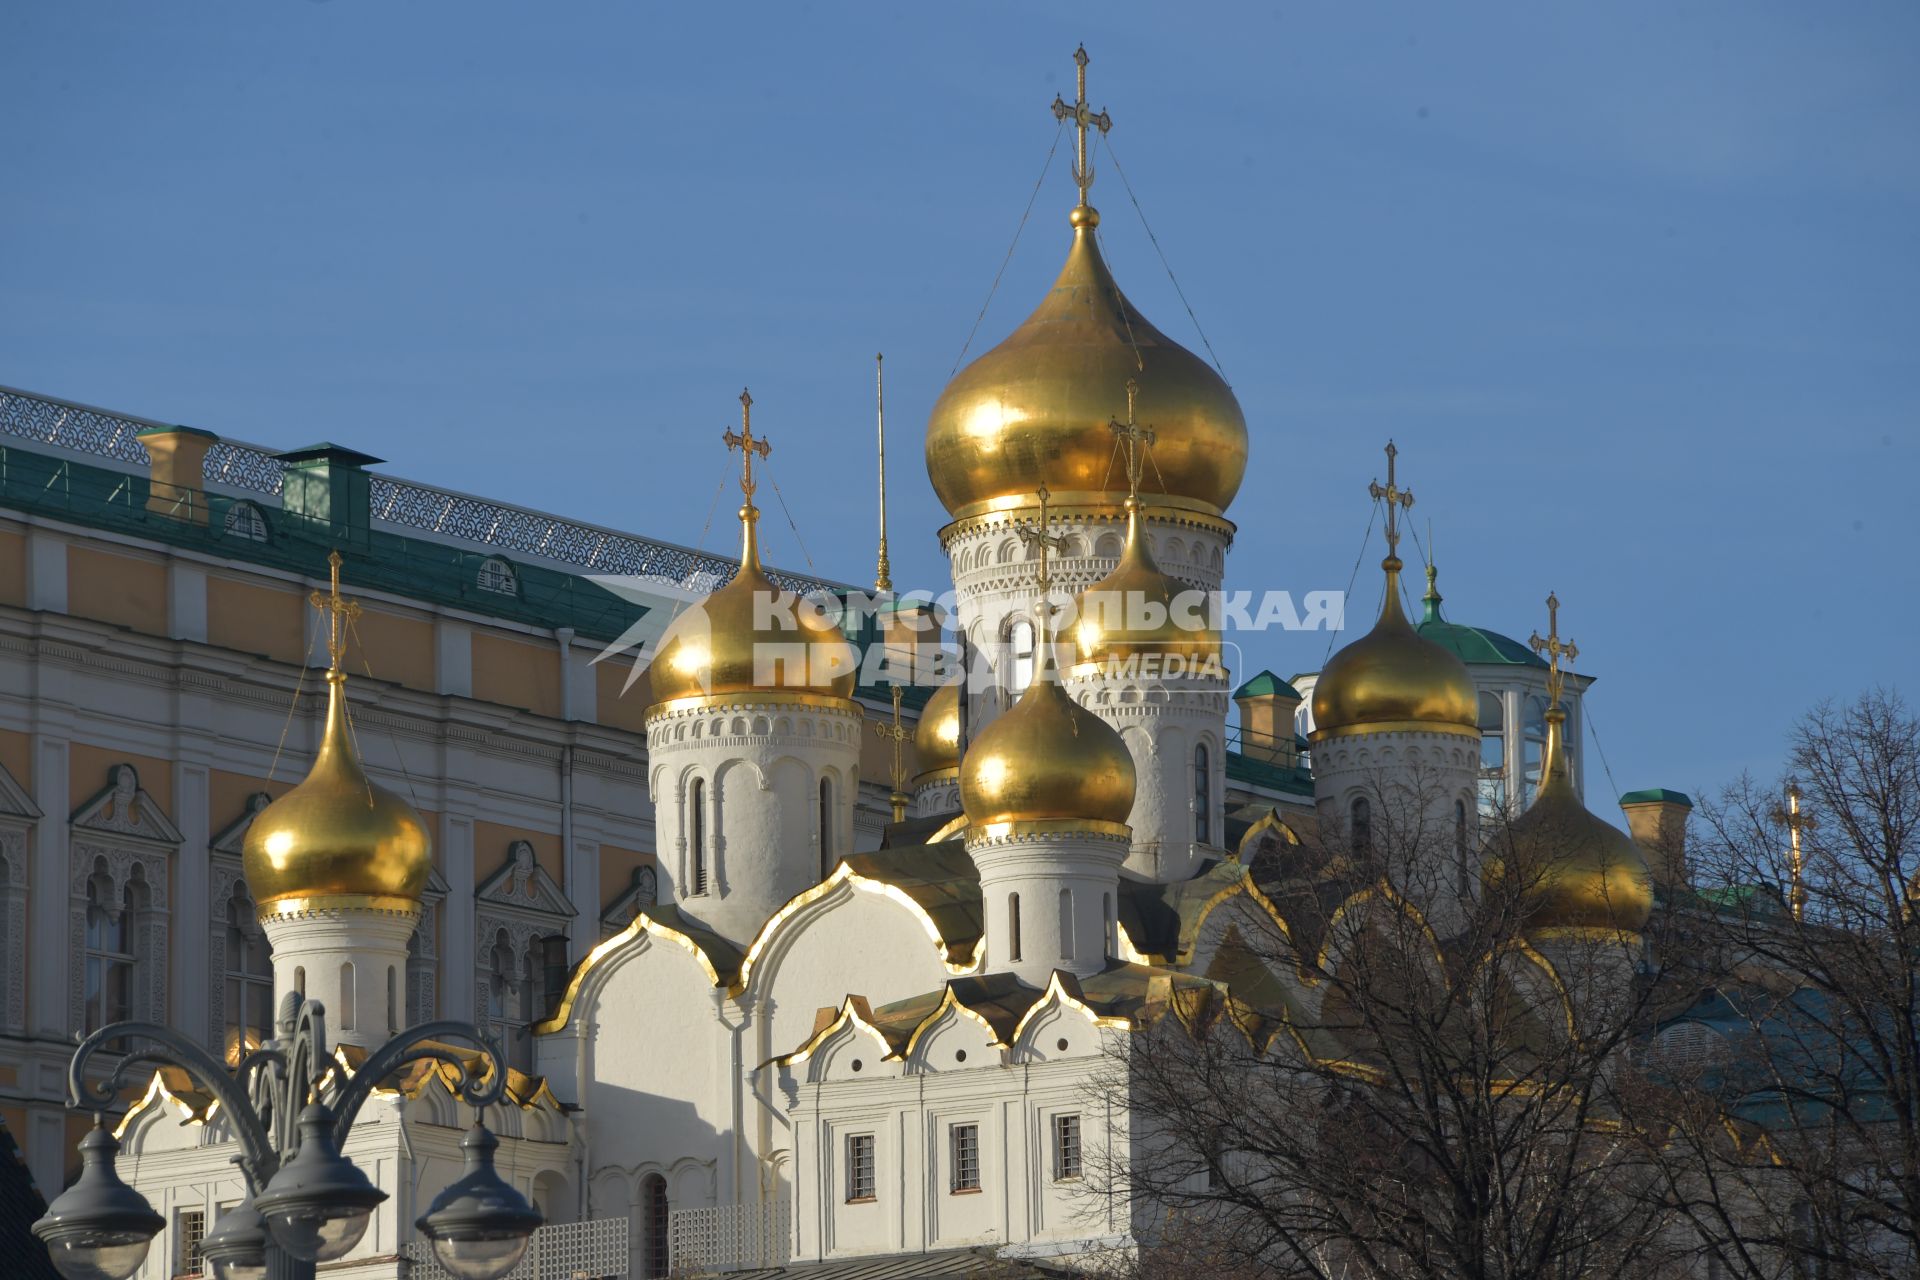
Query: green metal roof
{"points": [[1473, 644], [1264, 685], [103, 498], [1657, 795]]}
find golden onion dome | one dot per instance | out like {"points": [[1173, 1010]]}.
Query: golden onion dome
{"points": [[1047, 759], [1392, 678], [339, 838], [936, 739], [750, 637], [1575, 870], [1140, 611], [1037, 408]]}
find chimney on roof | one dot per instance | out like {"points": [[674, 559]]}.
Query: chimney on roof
{"points": [[1268, 705], [326, 493], [910, 631], [176, 474], [1657, 818]]}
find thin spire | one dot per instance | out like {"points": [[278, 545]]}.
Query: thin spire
{"points": [[749, 445], [1082, 116], [883, 574], [897, 733], [1432, 599]]}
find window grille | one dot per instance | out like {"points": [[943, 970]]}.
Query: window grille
{"points": [[964, 1142], [860, 1183], [191, 1227], [1066, 1147]]}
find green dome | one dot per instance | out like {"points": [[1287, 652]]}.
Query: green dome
{"points": [[1475, 646]]}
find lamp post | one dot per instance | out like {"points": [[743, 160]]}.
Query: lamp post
{"points": [[306, 1203]]}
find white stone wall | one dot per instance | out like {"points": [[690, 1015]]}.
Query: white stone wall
{"points": [[1067, 888], [1411, 780], [995, 577], [1163, 721], [956, 1074], [352, 960], [760, 765]]}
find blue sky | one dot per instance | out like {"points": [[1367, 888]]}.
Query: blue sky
{"points": [[1634, 285]]}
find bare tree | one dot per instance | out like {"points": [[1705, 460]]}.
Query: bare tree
{"points": [[1791, 1111], [1402, 1084]]}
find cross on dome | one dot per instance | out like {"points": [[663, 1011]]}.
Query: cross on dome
{"points": [[1397, 500], [1554, 649], [747, 443], [1136, 439], [1082, 117], [340, 613]]}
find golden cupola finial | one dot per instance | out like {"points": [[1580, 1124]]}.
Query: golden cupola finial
{"points": [[936, 739], [750, 637], [1034, 410], [338, 839], [1048, 760], [1392, 677], [1136, 610], [1575, 871]]}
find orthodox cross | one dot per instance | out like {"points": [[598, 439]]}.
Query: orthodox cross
{"points": [[1795, 821], [1082, 116], [747, 443], [1554, 648], [340, 613], [1039, 537], [1136, 438], [1397, 500], [897, 733]]}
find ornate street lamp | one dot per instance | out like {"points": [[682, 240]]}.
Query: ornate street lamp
{"points": [[479, 1225], [100, 1227], [305, 1200], [236, 1248]]}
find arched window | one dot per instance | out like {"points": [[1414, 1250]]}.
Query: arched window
{"points": [[347, 996], [1013, 926], [393, 1000], [1020, 638], [249, 993], [509, 1000], [300, 979], [1066, 924], [697, 845], [497, 576], [1106, 924], [1462, 870], [1202, 796], [1493, 754], [244, 520], [1360, 825], [826, 827], [109, 952], [655, 1252]]}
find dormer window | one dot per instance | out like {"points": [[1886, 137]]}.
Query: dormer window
{"points": [[497, 576], [245, 520]]}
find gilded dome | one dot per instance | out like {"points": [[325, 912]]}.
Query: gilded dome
{"points": [[751, 636], [1140, 611], [338, 835], [1037, 408], [1577, 871], [936, 739], [1046, 759], [1392, 678]]}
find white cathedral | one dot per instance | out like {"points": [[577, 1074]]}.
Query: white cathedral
{"points": [[805, 1050]]}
